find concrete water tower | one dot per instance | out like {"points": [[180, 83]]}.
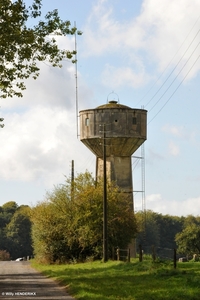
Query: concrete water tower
{"points": [[125, 130]]}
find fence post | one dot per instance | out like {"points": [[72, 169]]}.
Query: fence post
{"points": [[117, 253], [153, 253], [113, 253], [174, 258], [140, 253]]}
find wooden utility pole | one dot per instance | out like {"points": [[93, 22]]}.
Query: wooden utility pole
{"points": [[174, 258], [72, 181]]}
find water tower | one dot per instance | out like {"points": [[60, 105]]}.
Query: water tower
{"points": [[124, 131]]}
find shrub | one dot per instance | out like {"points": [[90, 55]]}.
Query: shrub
{"points": [[4, 255]]}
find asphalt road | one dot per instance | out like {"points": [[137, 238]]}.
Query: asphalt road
{"points": [[19, 281]]}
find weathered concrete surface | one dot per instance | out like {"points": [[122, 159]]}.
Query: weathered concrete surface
{"points": [[19, 281]]}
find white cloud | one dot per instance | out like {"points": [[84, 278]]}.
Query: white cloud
{"points": [[179, 132], [54, 86], [164, 32], [173, 149], [154, 197], [190, 206], [40, 133], [176, 131], [124, 76], [171, 32], [104, 34], [33, 143], [39, 145]]}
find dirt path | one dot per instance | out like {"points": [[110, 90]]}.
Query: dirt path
{"points": [[19, 281]]}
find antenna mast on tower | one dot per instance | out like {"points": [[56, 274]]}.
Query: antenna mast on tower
{"points": [[76, 78]]}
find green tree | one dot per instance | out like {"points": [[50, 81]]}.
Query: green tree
{"points": [[22, 47], [69, 224], [18, 233], [188, 240], [169, 226], [9, 208], [15, 229], [148, 230], [2, 239], [6, 213], [48, 233], [157, 230]]}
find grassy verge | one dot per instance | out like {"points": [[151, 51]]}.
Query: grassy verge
{"points": [[130, 281]]}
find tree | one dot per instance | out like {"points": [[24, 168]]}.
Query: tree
{"points": [[157, 230], [18, 233], [22, 47], [169, 226], [15, 229], [49, 241], [9, 208], [69, 223], [148, 230], [6, 213], [188, 240]]}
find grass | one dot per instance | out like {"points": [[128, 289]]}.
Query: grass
{"points": [[131, 281]]}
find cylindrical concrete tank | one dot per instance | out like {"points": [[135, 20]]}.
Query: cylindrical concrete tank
{"points": [[125, 129]]}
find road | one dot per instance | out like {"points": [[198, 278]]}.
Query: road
{"points": [[19, 281]]}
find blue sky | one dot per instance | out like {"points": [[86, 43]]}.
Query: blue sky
{"points": [[147, 53]]}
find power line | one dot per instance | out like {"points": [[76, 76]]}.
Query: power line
{"points": [[176, 77], [173, 70], [174, 90], [171, 61]]}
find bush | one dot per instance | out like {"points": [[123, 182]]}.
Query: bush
{"points": [[4, 255]]}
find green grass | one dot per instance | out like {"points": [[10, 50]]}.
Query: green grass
{"points": [[131, 281]]}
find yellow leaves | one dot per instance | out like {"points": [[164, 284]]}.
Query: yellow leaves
{"points": [[75, 221]]}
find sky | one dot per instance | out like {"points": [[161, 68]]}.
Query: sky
{"points": [[144, 54]]}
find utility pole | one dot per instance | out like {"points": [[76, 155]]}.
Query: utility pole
{"points": [[105, 232], [72, 181]]}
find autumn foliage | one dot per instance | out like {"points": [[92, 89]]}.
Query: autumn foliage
{"points": [[68, 225]]}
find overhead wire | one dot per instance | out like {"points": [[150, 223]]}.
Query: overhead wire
{"points": [[170, 61], [175, 90], [173, 70], [177, 76], [87, 163], [134, 165]]}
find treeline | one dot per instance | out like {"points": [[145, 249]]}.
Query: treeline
{"points": [[158, 230], [165, 232], [68, 225], [15, 231]]}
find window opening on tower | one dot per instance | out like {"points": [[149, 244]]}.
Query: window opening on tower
{"points": [[87, 122], [134, 120]]}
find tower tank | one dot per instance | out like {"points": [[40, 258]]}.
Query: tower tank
{"points": [[125, 130]]}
